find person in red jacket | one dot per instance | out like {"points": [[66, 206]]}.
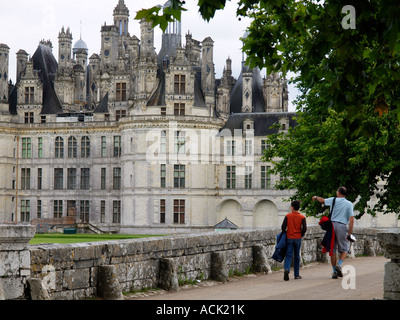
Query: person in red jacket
{"points": [[295, 226]]}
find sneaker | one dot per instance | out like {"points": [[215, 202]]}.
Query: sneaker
{"points": [[298, 277], [334, 275], [339, 271], [286, 276]]}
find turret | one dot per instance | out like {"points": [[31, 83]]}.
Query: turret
{"points": [[64, 48], [4, 62], [22, 60], [121, 18]]}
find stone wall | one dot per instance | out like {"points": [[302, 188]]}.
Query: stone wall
{"points": [[70, 271]]}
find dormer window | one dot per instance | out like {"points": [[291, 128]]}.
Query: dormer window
{"points": [[29, 95]]}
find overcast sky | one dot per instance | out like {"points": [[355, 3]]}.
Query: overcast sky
{"points": [[24, 23]]}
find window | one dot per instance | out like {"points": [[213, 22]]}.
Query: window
{"points": [[39, 178], [29, 95], [103, 147], [103, 179], [163, 142], [29, 117], [265, 177], [84, 210], [179, 211], [25, 179], [179, 142], [72, 147], [162, 211], [163, 111], [85, 147], [179, 84], [40, 147], [59, 148], [121, 91], [102, 211], [25, 210], [248, 177], [179, 176], [117, 146], [231, 177], [39, 209], [230, 147], [117, 179], [26, 148], [42, 119], [116, 211], [120, 114], [179, 109], [264, 146], [57, 208], [85, 178], [71, 179], [163, 175], [248, 147], [58, 178]]}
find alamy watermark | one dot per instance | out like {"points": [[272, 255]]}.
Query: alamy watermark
{"points": [[349, 277], [349, 20]]}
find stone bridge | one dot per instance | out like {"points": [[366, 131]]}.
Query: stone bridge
{"points": [[105, 269]]}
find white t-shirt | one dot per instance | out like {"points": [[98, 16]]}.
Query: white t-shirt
{"points": [[342, 211]]}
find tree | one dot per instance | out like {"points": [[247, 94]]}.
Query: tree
{"points": [[346, 59]]}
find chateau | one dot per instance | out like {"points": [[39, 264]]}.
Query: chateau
{"points": [[133, 141]]}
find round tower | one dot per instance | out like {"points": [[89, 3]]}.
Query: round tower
{"points": [[22, 60]]}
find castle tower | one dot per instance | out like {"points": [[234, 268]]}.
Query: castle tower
{"points": [[22, 60], [109, 46], [247, 90], [4, 62], [64, 48], [121, 18], [275, 93], [207, 70], [146, 38]]}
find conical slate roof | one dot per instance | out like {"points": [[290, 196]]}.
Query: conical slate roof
{"points": [[226, 224]]}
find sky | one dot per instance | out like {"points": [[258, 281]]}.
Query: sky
{"points": [[23, 23]]}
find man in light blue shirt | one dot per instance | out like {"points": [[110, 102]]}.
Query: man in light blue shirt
{"points": [[342, 215]]}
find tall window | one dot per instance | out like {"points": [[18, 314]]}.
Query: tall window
{"points": [[163, 175], [116, 211], [117, 178], [85, 178], [102, 211], [265, 177], [162, 211], [26, 148], [179, 109], [179, 211], [180, 142], [29, 95], [57, 208], [59, 148], [58, 178], [40, 147], [85, 147], [29, 116], [25, 179], [231, 177], [179, 84], [179, 176], [104, 147], [25, 210], [84, 210], [163, 142], [72, 147], [39, 209], [264, 146], [248, 177], [248, 147], [117, 146], [121, 91], [71, 179], [39, 178], [103, 179], [230, 147]]}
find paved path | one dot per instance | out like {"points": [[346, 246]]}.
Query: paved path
{"points": [[315, 285]]}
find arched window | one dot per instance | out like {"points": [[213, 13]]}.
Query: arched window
{"points": [[85, 147], [59, 147], [72, 147]]}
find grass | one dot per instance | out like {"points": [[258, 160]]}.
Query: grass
{"points": [[82, 237]]}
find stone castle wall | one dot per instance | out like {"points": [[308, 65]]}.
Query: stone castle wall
{"points": [[70, 271]]}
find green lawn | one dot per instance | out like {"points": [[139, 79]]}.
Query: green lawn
{"points": [[82, 237]]}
